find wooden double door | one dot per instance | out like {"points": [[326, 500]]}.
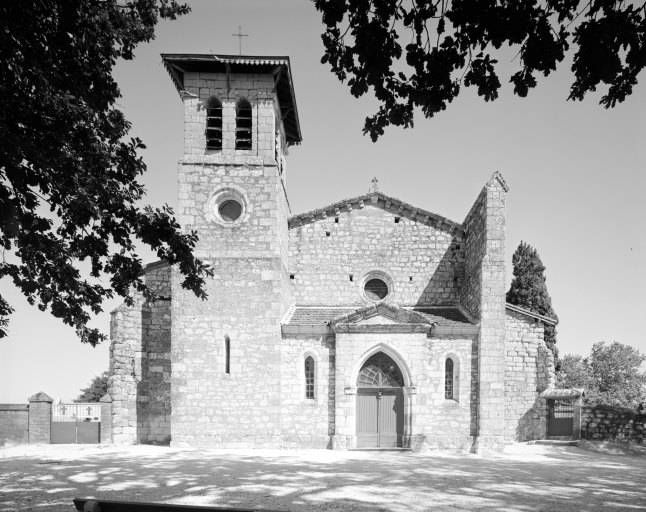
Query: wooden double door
{"points": [[380, 404], [380, 418]]}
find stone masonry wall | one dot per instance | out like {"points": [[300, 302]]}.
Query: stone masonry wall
{"points": [[529, 370], [307, 422], [431, 420], [474, 252], [139, 382], [40, 417], [484, 296], [618, 424], [210, 406], [423, 261], [153, 387], [14, 424], [250, 292], [258, 89]]}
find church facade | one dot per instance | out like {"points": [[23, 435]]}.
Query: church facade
{"points": [[367, 323]]}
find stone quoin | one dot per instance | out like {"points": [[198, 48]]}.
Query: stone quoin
{"points": [[366, 323]]}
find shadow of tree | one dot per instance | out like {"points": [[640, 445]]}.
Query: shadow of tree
{"points": [[535, 478]]}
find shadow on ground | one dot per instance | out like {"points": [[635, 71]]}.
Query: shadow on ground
{"points": [[526, 479]]}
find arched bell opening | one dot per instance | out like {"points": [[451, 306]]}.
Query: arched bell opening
{"points": [[380, 403]]}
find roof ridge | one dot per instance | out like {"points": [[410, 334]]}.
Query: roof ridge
{"points": [[525, 311], [383, 201]]}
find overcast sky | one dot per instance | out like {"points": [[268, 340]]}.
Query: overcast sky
{"points": [[575, 172]]}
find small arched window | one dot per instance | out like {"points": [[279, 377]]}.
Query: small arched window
{"points": [[213, 124], [243, 124], [309, 377], [227, 354], [448, 379]]}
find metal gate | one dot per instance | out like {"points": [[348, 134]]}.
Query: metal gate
{"points": [[76, 423], [560, 421]]}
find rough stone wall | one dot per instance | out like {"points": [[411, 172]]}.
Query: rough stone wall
{"points": [[423, 261], [258, 89], [250, 292], [139, 382], [431, 420], [240, 408], [474, 252], [40, 418], [484, 295], [529, 370], [618, 424], [14, 424], [307, 422], [153, 387]]}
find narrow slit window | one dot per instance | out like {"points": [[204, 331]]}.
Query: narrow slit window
{"points": [[309, 377], [448, 379], [214, 124], [227, 354], [243, 124]]}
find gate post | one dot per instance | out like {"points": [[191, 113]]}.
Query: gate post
{"points": [[576, 420], [106, 419], [40, 418]]}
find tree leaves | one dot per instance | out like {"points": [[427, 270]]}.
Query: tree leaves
{"points": [[529, 290], [68, 172], [96, 390], [362, 37], [611, 375]]}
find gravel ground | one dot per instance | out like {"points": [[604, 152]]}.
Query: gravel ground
{"points": [[525, 478]]}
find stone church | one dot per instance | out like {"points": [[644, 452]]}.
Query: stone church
{"points": [[366, 323]]}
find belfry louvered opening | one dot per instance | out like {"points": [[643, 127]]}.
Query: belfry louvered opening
{"points": [[213, 124], [243, 124]]}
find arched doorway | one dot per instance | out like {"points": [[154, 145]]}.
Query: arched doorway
{"points": [[380, 403]]}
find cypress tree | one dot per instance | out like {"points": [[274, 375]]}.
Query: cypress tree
{"points": [[528, 290]]}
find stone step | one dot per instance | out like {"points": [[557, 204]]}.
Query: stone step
{"points": [[377, 449], [555, 442]]}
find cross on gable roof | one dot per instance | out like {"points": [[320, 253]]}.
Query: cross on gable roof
{"points": [[379, 200]]}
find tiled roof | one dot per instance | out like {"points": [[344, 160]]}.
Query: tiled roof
{"points": [[444, 316], [308, 315], [317, 315], [563, 393]]}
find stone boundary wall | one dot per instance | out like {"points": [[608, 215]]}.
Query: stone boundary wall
{"points": [[14, 424], [618, 424]]}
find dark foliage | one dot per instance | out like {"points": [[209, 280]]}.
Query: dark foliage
{"points": [[419, 53], [96, 390], [528, 289], [611, 375], [68, 173]]}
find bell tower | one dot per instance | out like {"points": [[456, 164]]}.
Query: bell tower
{"points": [[240, 118]]}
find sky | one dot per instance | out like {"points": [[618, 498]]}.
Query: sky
{"points": [[575, 172]]}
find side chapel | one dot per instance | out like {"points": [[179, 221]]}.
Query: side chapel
{"points": [[367, 323]]}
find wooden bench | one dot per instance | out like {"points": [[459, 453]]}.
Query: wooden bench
{"points": [[94, 505]]}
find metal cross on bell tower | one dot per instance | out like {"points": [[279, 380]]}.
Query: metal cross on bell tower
{"points": [[374, 187], [240, 35]]}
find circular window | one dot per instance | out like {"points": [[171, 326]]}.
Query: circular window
{"points": [[228, 207], [375, 289], [230, 210]]}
